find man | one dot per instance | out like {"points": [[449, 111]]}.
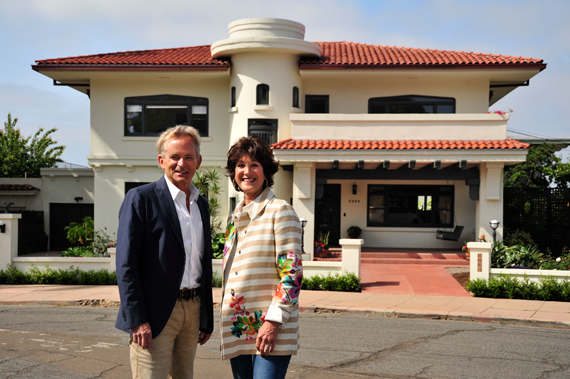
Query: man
{"points": [[164, 263]]}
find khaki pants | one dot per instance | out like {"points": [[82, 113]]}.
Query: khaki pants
{"points": [[174, 349]]}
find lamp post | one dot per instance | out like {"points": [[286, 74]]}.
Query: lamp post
{"points": [[494, 225], [303, 223]]}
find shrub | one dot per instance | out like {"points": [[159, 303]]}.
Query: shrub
{"points": [[346, 283], [216, 281], [508, 286], [504, 256], [79, 251], [517, 237], [102, 242], [51, 276], [218, 243], [82, 233], [354, 231]]}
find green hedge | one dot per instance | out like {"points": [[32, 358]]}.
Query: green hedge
{"points": [[52, 276], [509, 287], [345, 283]]}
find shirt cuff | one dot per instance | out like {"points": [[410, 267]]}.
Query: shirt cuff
{"points": [[275, 314]]}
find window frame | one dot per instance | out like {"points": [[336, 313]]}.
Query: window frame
{"points": [[420, 100], [262, 94], [167, 101], [436, 192], [309, 100]]}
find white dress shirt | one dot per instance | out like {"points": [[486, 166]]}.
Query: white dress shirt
{"points": [[192, 233]]}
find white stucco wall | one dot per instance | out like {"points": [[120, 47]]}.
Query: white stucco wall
{"points": [[29, 202]]}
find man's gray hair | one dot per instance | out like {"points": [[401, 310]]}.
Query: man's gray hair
{"points": [[176, 132]]}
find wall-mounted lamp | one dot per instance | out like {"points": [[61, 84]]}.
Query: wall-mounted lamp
{"points": [[494, 225], [303, 223], [77, 199], [2, 227], [354, 189]]}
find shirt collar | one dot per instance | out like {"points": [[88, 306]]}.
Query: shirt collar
{"points": [[175, 191]]}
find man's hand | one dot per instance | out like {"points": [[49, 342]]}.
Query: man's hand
{"points": [[142, 335], [203, 338]]}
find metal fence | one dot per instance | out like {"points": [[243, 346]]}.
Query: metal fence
{"points": [[542, 212]]}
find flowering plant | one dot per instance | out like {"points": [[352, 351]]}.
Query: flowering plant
{"points": [[322, 242], [502, 113], [482, 238], [465, 249]]}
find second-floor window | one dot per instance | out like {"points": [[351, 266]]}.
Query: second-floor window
{"points": [[264, 128], [151, 115], [295, 97], [233, 99], [411, 104], [262, 97], [317, 104]]}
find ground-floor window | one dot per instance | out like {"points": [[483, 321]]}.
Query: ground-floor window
{"points": [[415, 206]]}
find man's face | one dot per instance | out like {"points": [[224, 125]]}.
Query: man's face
{"points": [[180, 161]]}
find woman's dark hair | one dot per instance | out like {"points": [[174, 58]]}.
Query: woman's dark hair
{"points": [[258, 151]]}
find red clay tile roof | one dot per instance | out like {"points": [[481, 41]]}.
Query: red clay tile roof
{"points": [[334, 54], [196, 56], [363, 55], [296, 144], [17, 187]]}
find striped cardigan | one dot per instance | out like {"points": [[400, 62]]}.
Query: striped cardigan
{"points": [[264, 279]]}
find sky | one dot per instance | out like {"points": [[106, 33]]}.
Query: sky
{"points": [[40, 29]]}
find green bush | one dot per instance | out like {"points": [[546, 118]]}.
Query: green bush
{"points": [[504, 256], [218, 243], [52, 276], [216, 280], [517, 237], [346, 282], [354, 231], [509, 287], [79, 251], [82, 233]]}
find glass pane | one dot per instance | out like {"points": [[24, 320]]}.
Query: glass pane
{"points": [[445, 109], [160, 118], [134, 119], [376, 215], [445, 202], [444, 217], [377, 200], [199, 109]]}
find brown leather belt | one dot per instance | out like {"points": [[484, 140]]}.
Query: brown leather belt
{"points": [[187, 294]]}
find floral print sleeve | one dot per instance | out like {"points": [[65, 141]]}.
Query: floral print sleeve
{"points": [[289, 265]]}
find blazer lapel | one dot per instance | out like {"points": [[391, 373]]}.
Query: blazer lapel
{"points": [[165, 200]]}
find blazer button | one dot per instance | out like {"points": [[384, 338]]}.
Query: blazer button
{"points": [[236, 272], [239, 252]]}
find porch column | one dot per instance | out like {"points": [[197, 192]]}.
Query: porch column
{"points": [[351, 252], [304, 201], [8, 238], [490, 204]]}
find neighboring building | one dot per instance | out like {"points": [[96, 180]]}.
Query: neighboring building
{"points": [[395, 140]]}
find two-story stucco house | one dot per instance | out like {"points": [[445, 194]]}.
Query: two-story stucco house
{"points": [[397, 141]]}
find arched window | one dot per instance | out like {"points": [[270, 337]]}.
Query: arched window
{"points": [[295, 97], [262, 94], [151, 115], [411, 104], [233, 97]]}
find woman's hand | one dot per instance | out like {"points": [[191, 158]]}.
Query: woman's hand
{"points": [[267, 337]]}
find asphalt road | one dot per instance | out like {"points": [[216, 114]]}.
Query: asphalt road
{"points": [[81, 342]]}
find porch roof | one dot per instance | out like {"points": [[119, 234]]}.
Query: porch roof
{"points": [[310, 144]]}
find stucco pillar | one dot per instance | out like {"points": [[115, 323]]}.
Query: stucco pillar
{"points": [[113, 254], [480, 260], [490, 204], [304, 201], [8, 239], [351, 249]]}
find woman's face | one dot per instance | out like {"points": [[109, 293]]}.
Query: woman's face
{"points": [[249, 177]]}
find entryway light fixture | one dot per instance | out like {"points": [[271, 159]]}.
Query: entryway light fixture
{"points": [[354, 189], [494, 225]]}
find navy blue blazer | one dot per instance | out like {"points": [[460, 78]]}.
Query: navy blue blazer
{"points": [[151, 259]]}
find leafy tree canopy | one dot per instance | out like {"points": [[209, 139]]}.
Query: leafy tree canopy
{"points": [[22, 156], [541, 169]]}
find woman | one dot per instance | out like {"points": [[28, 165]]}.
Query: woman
{"points": [[262, 269]]}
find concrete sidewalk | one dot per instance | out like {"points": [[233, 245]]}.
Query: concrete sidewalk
{"points": [[538, 313]]}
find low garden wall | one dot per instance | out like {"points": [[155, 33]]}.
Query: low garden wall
{"points": [[8, 256], [480, 266]]}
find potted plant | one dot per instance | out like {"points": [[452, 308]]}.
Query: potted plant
{"points": [[354, 231], [322, 245], [467, 251]]}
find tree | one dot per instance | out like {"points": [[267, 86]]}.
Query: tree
{"points": [[24, 156], [208, 184], [541, 169]]}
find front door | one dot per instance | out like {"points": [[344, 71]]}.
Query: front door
{"points": [[60, 216], [327, 214]]}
